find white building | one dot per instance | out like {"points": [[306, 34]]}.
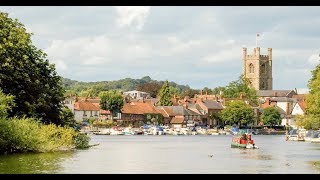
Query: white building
{"points": [[137, 94], [84, 110], [69, 102]]}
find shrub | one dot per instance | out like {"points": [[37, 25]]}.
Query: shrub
{"points": [[81, 141], [27, 134]]}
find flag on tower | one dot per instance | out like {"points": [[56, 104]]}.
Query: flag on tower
{"points": [[257, 37]]}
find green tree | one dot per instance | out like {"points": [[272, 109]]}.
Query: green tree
{"points": [[67, 117], [271, 116], [235, 88], [165, 94], [218, 90], [207, 90], [238, 112], [216, 116], [151, 87], [26, 74], [189, 92], [6, 104], [312, 116], [111, 100]]}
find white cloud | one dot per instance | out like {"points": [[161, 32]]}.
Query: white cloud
{"points": [[60, 64], [101, 43], [132, 16], [314, 59], [178, 45], [223, 56]]}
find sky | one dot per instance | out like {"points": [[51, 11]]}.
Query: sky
{"points": [[199, 46]]}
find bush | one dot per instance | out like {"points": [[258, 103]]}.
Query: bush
{"points": [[82, 141], [27, 134]]}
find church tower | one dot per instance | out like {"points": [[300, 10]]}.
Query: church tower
{"points": [[258, 69]]}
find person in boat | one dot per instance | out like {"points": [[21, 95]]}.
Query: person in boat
{"points": [[248, 136], [243, 137]]}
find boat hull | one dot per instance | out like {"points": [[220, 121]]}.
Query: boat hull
{"points": [[238, 142]]}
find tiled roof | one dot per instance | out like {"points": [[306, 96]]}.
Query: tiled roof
{"points": [[177, 120], [299, 97], [85, 106], [210, 104], [302, 105], [195, 110], [163, 112], [273, 93], [92, 100], [175, 110], [283, 99], [139, 108]]}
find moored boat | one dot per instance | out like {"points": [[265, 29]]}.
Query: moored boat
{"points": [[243, 140]]}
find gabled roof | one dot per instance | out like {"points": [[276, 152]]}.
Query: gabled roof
{"points": [[302, 105], [177, 120], [175, 110], [85, 106], [274, 93], [282, 99], [300, 97], [211, 104], [139, 108], [163, 112]]}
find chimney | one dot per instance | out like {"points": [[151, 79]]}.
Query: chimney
{"points": [[201, 91], [207, 93], [287, 109], [185, 105], [275, 94], [268, 101]]}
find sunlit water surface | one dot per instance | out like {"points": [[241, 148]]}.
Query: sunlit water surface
{"points": [[172, 154]]}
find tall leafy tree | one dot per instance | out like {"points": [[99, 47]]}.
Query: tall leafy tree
{"points": [[67, 117], [235, 88], [6, 104], [271, 116], [26, 74], [165, 94], [237, 112], [218, 90], [207, 90], [189, 92], [312, 119], [111, 100], [151, 87]]}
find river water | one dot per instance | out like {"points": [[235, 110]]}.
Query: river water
{"points": [[171, 154]]}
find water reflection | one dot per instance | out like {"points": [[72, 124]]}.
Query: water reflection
{"points": [[33, 163], [254, 154], [171, 154]]}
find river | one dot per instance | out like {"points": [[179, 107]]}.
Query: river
{"points": [[171, 154]]}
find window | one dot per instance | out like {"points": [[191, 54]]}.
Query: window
{"points": [[262, 85], [251, 68], [263, 68]]}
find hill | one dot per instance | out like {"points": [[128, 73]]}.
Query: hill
{"points": [[92, 89]]}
